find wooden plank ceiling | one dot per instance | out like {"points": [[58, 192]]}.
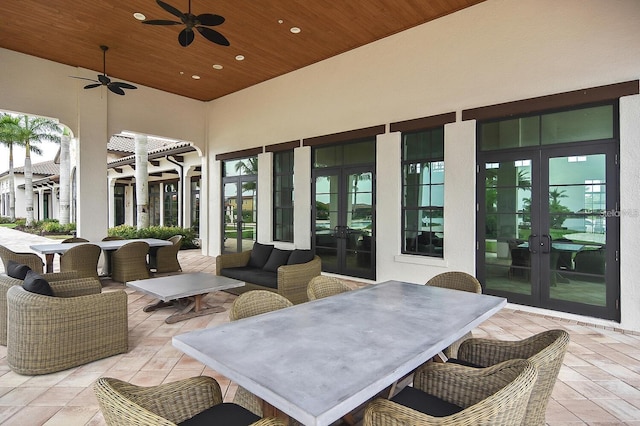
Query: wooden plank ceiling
{"points": [[71, 31]]}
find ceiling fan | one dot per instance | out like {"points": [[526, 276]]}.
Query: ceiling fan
{"points": [[115, 86], [191, 21]]}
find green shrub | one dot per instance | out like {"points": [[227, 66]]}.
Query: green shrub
{"points": [[161, 232]]}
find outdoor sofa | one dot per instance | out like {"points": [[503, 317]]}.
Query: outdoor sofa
{"points": [[286, 272]]}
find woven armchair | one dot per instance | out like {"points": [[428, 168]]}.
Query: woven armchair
{"points": [[63, 284], [82, 259], [48, 334], [129, 262], [74, 240], [165, 258], [493, 396], [122, 403], [545, 351], [323, 286], [456, 280], [254, 302], [32, 260]]}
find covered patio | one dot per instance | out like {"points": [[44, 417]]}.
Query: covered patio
{"points": [[598, 384]]}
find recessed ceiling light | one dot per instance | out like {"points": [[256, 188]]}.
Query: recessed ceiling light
{"points": [[295, 30], [240, 58], [195, 77], [139, 16], [280, 21], [217, 67], [181, 72]]}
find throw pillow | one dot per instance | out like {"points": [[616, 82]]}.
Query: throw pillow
{"points": [[36, 284], [300, 256], [276, 259], [17, 270], [259, 255]]}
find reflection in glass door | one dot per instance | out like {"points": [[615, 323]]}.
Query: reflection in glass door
{"points": [[239, 204], [548, 240], [343, 225]]}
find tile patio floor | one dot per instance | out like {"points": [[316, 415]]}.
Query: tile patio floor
{"points": [[599, 383]]}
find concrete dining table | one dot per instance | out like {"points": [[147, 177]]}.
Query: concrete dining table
{"points": [[318, 361], [50, 249]]}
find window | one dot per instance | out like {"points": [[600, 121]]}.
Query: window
{"points": [[195, 205], [171, 204], [283, 196], [423, 192]]}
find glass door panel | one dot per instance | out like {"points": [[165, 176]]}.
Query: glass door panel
{"points": [[359, 226], [343, 223], [577, 228], [508, 198], [230, 218]]}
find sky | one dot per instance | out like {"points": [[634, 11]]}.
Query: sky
{"points": [[49, 151]]}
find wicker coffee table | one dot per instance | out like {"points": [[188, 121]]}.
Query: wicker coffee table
{"points": [[184, 291]]}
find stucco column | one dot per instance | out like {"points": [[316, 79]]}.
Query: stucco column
{"points": [[142, 181], [91, 166], [302, 197], [265, 197]]}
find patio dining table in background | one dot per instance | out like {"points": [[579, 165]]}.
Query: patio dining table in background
{"points": [[318, 361], [50, 249]]}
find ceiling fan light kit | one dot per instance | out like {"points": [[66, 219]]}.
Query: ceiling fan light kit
{"points": [[114, 86], [200, 23]]}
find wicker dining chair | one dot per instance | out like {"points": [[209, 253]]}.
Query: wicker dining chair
{"points": [[74, 240], [545, 350], [195, 400], [47, 334], [63, 284], [456, 280], [32, 260], [254, 302], [83, 259], [449, 394], [165, 258], [323, 286], [129, 262]]}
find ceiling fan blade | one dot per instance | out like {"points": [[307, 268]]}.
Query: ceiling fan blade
{"points": [[214, 36], [91, 86], [122, 85], [185, 37], [210, 19], [115, 89], [172, 10], [161, 22], [83, 78], [104, 79]]}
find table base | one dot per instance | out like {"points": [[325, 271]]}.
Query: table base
{"points": [[190, 307]]}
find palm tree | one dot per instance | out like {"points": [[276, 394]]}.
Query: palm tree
{"points": [[34, 130], [9, 127]]}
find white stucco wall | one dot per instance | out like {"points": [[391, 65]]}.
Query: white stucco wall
{"points": [[497, 51]]}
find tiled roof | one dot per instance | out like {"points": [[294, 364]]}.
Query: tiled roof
{"points": [[46, 168], [127, 145]]}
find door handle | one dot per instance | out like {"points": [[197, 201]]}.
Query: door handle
{"points": [[545, 248], [530, 240]]}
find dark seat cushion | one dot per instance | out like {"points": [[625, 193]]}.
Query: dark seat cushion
{"points": [[252, 275], [300, 256], [17, 270], [276, 259], [259, 255], [36, 284], [425, 403], [463, 362], [226, 414]]}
